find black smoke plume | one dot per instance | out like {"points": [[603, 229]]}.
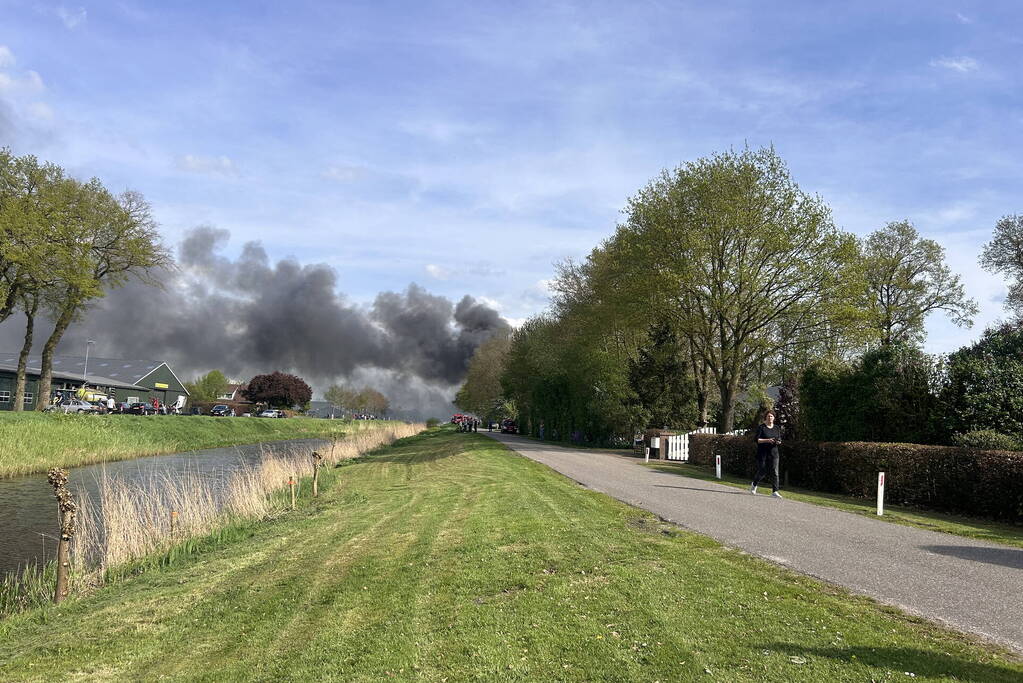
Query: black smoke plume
{"points": [[248, 316]]}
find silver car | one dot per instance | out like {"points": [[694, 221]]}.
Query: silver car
{"points": [[74, 405]]}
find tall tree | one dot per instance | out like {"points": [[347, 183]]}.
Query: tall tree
{"points": [[100, 241], [744, 263], [279, 390], [207, 387], [481, 393], [1004, 255], [907, 278], [340, 397]]}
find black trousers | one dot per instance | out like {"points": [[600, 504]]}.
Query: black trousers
{"points": [[763, 460]]}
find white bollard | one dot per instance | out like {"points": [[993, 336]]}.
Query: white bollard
{"points": [[880, 493], [717, 465], [646, 454]]}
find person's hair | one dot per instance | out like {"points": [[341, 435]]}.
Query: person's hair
{"points": [[769, 412]]}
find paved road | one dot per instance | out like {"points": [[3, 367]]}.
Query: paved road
{"points": [[969, 585]]}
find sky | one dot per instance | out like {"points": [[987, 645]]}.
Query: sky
{"points": [[468, 146]]}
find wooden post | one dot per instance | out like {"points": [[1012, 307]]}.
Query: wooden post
{"points": [[317, 458], [291, 483], [57, 478], [174, 520]]}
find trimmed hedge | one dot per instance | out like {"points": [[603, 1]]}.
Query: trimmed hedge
{"points": [[961, 480]]}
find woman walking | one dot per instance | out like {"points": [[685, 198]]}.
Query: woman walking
{"points": [[768, 439]]}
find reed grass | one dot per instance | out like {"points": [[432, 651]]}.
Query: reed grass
{"points": [[34, 442], [130, 520]]}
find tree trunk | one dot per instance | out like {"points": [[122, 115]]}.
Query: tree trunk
{"points": [[728, 387], [26, 348], [46, 371]]}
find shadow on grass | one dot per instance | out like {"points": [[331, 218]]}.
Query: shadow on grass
{"points": [[903, 660], [1007, 557]]}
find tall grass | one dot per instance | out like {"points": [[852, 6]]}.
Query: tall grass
{"points": [[34, 442], [130, 520]]}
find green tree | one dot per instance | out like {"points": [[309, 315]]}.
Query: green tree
{"points": [[907, 278], [99, 241], [481, 392], [1004, 255], [984, 389], [208, 387], [340, 397], [744, 264]]}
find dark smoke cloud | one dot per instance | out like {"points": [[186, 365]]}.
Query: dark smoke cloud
{"points": [[248, 315]]}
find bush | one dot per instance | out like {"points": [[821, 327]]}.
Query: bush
{"points": [[987, 439], [985, 483], [432, 422]]}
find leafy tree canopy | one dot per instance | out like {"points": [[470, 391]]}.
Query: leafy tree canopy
{"points": [[279, 390]]}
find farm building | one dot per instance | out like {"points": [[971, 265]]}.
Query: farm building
{"points": [[125, 380]]}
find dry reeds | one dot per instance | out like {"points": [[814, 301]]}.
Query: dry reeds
{"points": [[130, 520]]}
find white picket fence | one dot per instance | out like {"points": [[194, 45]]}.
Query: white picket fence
{"points": [[678, 446]]}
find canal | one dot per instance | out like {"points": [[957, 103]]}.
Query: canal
{"points": [[28, 510]]}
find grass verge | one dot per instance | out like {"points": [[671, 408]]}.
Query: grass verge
{"points": [[446, 557], [970, 527], [34, 442]]}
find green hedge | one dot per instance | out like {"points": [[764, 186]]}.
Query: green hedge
{"points": [[961, 480]]}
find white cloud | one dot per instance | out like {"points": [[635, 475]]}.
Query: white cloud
{"points": [[437, 272], [343, 173], [963, 19], [32, 82], [221, 165], [962, 64], [71, 17], [40, 111], [6, 57]]}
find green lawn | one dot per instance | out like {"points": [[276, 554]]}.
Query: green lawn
{"points": [[448, 558], [971, 527], [34, 442]]}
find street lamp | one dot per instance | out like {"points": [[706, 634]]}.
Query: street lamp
{"points": [[85, 372]]}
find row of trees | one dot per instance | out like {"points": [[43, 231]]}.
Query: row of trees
{"points": [[63, 244], [357, 401], [724, 276]]}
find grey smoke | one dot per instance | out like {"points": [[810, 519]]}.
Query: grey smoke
{"points": [[249, 315]]}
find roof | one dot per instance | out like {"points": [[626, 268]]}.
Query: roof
{"points": [[96, 380], [130, 371]]}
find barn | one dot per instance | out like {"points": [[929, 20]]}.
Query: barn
{"points": [[124, 379]]}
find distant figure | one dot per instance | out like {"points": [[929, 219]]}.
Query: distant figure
{"points": [[768, 440], [110, 404]]}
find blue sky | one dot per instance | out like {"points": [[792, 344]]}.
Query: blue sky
{"points": [[467, 146]]}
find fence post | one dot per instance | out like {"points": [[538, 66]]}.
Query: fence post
{"points": [[717, 465], [646, 454], [291, 483], [57, 478], [174, 520], [880, 493], [316, 473]]}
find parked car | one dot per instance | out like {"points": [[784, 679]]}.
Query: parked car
{"points": [[509, 427], [269, 413], [221, 410], [141, 409], [75, 405]]}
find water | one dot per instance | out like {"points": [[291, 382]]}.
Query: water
{"points": [[28, 510]]}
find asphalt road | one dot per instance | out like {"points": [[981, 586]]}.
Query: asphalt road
{"points": [[969, 585]]}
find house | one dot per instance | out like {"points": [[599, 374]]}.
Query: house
{"points": [[123, 379], [233, 393]]}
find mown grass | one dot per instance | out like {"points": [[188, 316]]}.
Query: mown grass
{"points": [[970, 527], [34, 442], [448, 558]]}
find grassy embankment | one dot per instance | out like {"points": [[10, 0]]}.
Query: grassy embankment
{"points": [[446, 557], [34, 442], [970, 527]]}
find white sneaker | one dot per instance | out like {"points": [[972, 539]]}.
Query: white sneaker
{"points": [[775, 495], [753, 489]]}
